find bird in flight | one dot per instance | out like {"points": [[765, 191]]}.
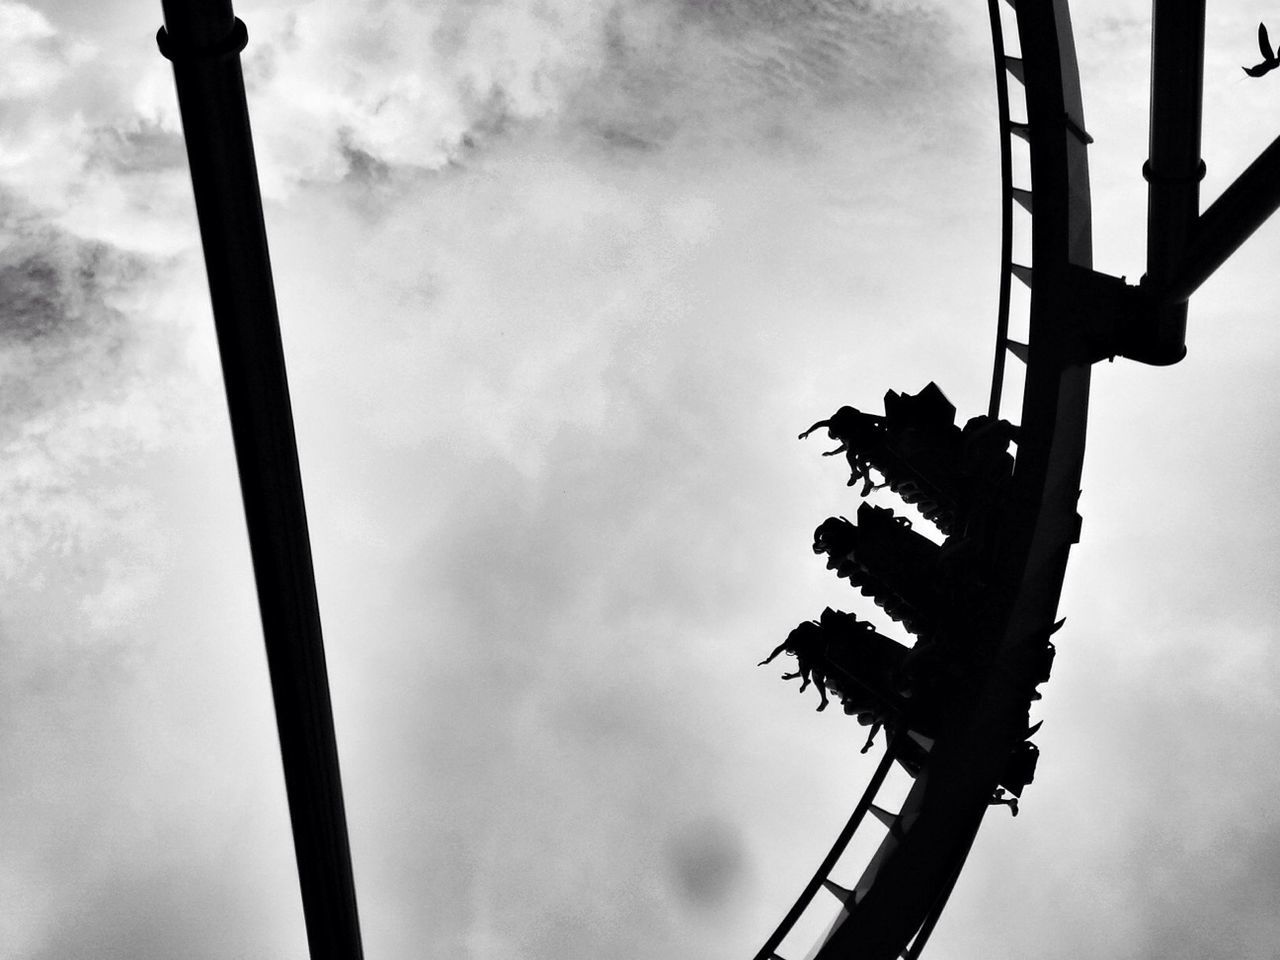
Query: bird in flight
{"points": [[1269, 60]]}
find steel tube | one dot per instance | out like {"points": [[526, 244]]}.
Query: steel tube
{"points": [[203, 39], [1174, 169]]}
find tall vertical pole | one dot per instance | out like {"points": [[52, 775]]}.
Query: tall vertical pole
{"points": [[1174, 168], [203, 39]]}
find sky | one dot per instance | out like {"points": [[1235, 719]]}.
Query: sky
{"points": [[559, 284]]}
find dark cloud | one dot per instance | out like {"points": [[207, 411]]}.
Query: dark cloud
{"points": [[59, 315], [707, 861], [92, 387], [828, 46], [620, 76], [139, 150], [53, 285], [362, 167], [734, 74]]}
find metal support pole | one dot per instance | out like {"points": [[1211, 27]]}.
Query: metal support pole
{"points": [[1174, 169], [203, 39]]}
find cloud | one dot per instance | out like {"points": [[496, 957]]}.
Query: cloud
{"points": [[706, 857], [93, 371], [350, 92], [427, 88], [55, 288], [166, 911], [559, 285], [96, 386], [36, 54], [60, 92]]}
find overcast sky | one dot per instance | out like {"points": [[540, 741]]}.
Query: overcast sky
{"points": [[559, 283]]}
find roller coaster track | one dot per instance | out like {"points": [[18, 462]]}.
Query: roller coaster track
{"points": [[892, 909]]}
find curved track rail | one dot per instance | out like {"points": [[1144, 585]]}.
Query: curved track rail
{"points": [[892, 909], [1007, 131]]}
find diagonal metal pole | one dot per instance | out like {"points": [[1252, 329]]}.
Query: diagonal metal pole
{"points": [[203, 39], [1230, 220]]}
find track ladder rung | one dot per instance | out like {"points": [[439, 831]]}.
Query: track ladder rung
{"points": [[1023, 273], [920, 738], [1020, 130], [1080, 132], [1023, 198], [837, 891], [1014, 66], [890, 820], [1019, 350], [1013, 4]]}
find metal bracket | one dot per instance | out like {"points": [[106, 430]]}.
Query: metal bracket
{"points": [[1118, 319]]}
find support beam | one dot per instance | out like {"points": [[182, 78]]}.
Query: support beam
{"points": [[1174, 168], [926, 930], [203, 39], [1230, 221]]}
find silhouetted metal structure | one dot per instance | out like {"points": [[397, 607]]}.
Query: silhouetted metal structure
{"points": [[203, 39], [860, 810], [1077, 317], [1174, 169]]}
